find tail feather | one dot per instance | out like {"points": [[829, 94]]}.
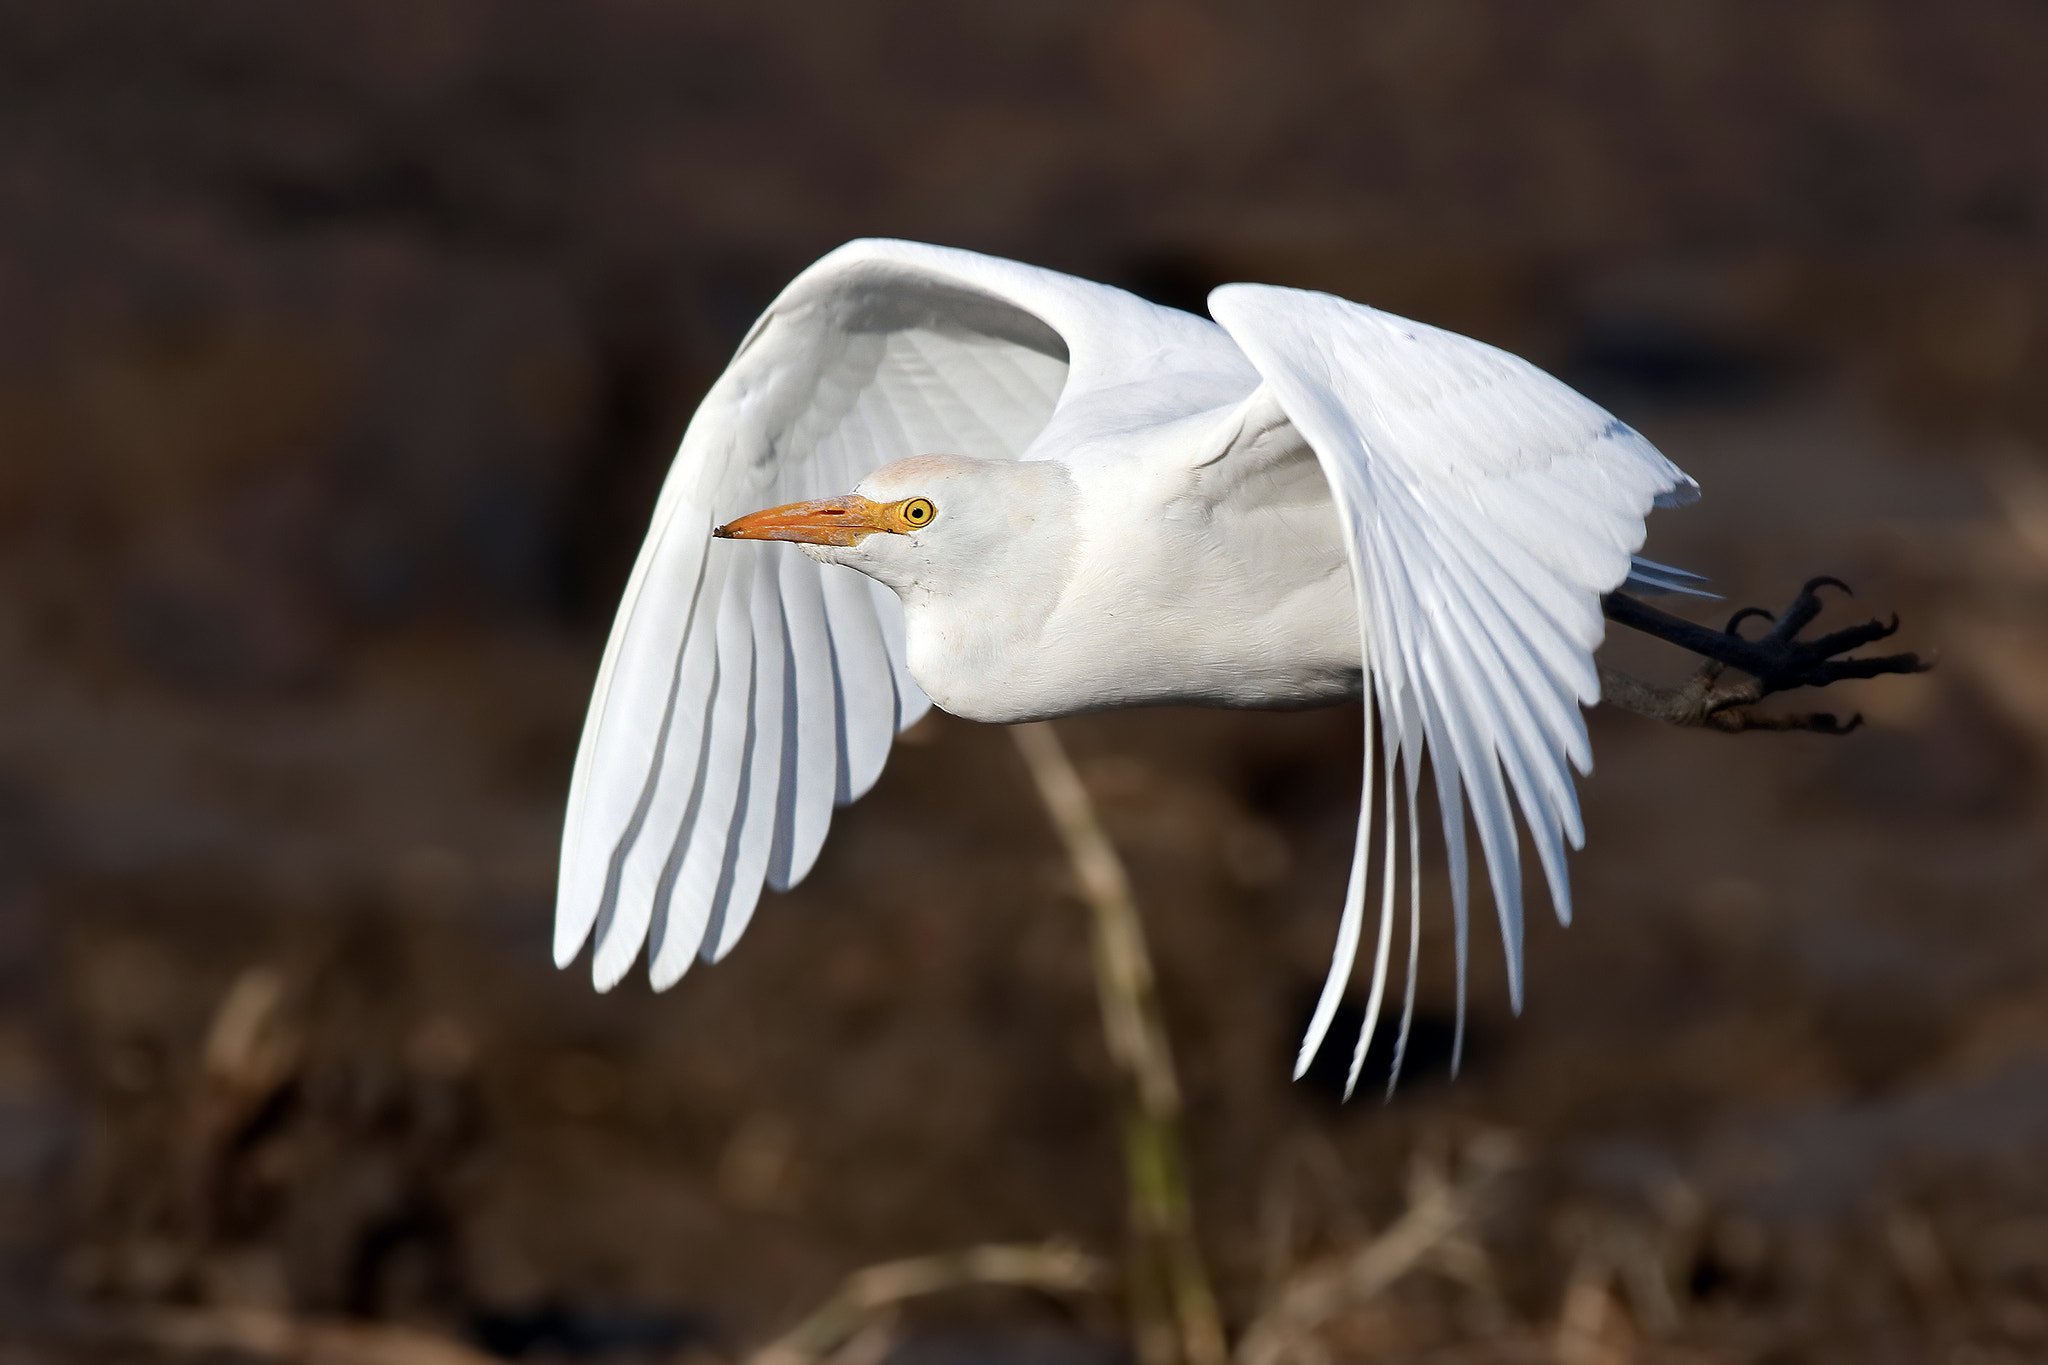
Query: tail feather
{"points": [[1648, 576]]}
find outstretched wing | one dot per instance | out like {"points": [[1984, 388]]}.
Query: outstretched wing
{"points": [[745, 689], [1487, 507]]}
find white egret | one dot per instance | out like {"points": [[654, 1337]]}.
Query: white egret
{"points": [[1023, 495]]}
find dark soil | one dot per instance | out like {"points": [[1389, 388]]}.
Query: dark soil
{"points": [[341, 350]]}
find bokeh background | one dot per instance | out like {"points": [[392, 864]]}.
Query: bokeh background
{"points": [[342, 347]]}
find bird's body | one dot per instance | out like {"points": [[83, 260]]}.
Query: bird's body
{"points": [[1140, 582], [1066, 499]]}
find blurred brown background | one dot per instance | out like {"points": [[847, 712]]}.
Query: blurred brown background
{"points": [[342, 347]]}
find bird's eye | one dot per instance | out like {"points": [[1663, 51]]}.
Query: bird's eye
{"points": [[918, 512]]}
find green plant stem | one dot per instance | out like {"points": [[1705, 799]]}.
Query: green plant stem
{"points": [[1174, 1317]]}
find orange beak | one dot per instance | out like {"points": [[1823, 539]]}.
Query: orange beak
{"points": [[828, 521]]}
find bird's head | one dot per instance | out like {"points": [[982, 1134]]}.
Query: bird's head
{"points": [[929, 522]]}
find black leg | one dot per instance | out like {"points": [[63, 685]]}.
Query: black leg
{"points": [[1777, 661]]}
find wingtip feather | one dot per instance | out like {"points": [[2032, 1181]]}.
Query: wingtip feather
{"points": [[569, 940]]}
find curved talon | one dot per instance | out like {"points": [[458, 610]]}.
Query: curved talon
{"points": [[1873, 629], [1778, 661], [1739, 617]]}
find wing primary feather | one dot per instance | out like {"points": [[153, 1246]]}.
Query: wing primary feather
{"points": [[788, 793], [865, 677], [659, 952], [1349, 924], [1513, 617], [759, 800], [643, 903], [1425, 716], [1511, 748], [1422, 732], [730, 844], [721, 892], [1480, 769], [1479, 764], [727, 750], [1381, 952], [1450, 802], [614, 872], [812, 758], [614, 947], [1414, 925], [637, 642], [729, 899], [1529, 749]]}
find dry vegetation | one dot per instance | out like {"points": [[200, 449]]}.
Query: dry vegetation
{"points": [[341, 348]]}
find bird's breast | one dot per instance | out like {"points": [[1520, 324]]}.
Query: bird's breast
{"points": [[1182, 603]]}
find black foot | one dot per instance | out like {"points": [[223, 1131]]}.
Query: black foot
{"points": [[1777, 661]]}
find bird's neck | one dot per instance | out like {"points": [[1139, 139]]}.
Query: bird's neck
{"points": [[989, 658]]}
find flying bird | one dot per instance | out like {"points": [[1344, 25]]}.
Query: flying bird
{"points": [[1019, 495]]}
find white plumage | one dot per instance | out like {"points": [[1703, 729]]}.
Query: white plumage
{"points": [[1122, 504]]}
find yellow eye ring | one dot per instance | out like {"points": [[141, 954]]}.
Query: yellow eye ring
{"points": [[918, 512]]}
